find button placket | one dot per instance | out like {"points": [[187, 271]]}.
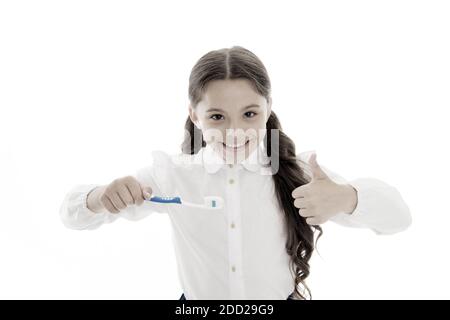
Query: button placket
{"points": [[234, 233]]}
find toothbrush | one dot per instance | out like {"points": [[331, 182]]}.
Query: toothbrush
{"points": [[211, 202]]}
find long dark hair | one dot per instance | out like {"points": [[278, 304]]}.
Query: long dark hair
{"points": [[240, 63]]}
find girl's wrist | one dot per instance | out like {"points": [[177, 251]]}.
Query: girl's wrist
{"points": [[93, 202], [351, 199]]}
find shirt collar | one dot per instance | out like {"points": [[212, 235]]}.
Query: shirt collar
{"points": [[212, 162]]}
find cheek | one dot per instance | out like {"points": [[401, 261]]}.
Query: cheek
{"points": [[212, 134], [258, 130]]}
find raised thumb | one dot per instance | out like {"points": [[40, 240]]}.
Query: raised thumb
{"points": [[317, 171]]}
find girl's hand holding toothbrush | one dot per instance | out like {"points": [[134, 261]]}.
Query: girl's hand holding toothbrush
{"points": [[118, 195]]}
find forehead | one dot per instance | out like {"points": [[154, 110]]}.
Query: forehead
{"points": [[235, 93]]}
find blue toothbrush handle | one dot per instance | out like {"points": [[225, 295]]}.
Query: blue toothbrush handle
{"points": [[166, 199]]}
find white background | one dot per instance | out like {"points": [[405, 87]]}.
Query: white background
{"points": [[89, 88]]}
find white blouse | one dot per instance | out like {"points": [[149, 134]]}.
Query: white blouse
{"points": [[237, 252]]}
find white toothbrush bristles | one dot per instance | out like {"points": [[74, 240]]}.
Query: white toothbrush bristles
{"points": [[210, 202], [214, 202]]}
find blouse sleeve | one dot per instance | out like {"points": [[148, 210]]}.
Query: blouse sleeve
{"points": [[75, 214], [380, 206]]}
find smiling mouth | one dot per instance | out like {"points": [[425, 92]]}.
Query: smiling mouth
{"points": [[236, 147]]}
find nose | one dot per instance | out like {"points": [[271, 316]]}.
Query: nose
{"points": [[235, 136]]}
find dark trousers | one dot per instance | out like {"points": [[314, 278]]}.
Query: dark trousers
{"points": [[290, 297]]}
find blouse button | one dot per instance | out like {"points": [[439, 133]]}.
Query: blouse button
{"points": [[230, 165], [233, 268], [232, 225], [231, 181]]}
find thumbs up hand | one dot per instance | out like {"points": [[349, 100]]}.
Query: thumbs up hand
{"points": [[322, 198]]}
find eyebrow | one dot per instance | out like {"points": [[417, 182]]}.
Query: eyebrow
{"points": [[245, 108]]}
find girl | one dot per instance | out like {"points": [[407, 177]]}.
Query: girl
{"points": [[258, 245]]}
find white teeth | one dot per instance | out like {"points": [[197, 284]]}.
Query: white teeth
{"points": [[235, 147]]}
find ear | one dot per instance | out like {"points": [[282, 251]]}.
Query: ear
{"points": [[193, 116]]}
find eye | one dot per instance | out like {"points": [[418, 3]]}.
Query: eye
{"points": [[250, 112], [212, 117]]}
